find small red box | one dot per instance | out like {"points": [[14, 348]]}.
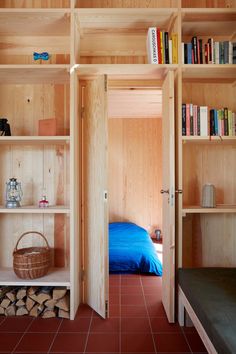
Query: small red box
{"points": [[48, 127]]}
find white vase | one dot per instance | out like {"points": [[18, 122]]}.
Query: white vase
{"points": [[208, 196]]}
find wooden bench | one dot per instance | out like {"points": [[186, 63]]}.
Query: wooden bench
{"points": [[209, 297]]}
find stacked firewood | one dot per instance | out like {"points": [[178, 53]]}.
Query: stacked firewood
{"points": [[45, 301]]}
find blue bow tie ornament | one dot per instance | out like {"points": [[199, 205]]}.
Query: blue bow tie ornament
{"points": [[43, 56]]}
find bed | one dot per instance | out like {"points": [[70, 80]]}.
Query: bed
{"points": [[131, 250], [209, 296]]}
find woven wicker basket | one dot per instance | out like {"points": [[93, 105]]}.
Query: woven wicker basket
{"points": [[31, 262]]}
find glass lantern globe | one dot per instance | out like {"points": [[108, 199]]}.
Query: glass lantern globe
{"points": [[13, 193]]}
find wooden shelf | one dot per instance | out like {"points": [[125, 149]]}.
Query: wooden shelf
{"points": [[35, 210], [209, 139], [206, 72], [55, 277], [135, 71], [30, 140], [220, 209], [208, 22], [32, 22], [128, 19], [35, 74]]}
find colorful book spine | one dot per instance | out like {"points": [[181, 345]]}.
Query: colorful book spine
{"points": [[152, 46], [174, 38]]}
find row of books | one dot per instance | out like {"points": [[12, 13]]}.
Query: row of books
{"points": [[161, 48], [200, 121], [212, 52]]}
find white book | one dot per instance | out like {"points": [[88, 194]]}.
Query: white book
{"points": [[230, 53], [233, 122], [170, 52], [182, 52], [152, 50], [217, 52], [204, 121]]}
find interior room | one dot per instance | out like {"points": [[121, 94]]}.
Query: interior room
{"points": [[117, 123]]}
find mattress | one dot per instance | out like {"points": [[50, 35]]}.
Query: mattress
{"points": [[212, 294], [131, 250]]}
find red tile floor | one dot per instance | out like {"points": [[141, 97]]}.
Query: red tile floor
{"points": [[137, 324]]}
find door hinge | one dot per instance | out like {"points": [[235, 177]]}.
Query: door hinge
{"points": [[106, 308], [105, 83]]}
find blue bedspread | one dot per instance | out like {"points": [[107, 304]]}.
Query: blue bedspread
{"points": [[131, 250]]}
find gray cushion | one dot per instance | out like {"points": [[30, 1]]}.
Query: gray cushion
{"points": [[212, 295]]}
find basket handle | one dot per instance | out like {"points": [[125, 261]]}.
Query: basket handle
{"points": [[31, 232]]}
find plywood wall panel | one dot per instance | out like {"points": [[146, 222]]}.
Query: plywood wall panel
{"points": [[127, 3], [214, 95], [24, 105], [209, 164], [35, 3], [135, 171], [209, 3]]}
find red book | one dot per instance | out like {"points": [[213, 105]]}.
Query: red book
{"points": [[159, 46], [187, 119]]}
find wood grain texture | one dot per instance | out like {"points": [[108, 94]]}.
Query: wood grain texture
{"points": [[135, 103], [209, 3], [95, 205], [24, 105], [126, 3], [135, 171], [35, 3]]}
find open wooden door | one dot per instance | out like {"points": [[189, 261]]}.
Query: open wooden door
{"points": [[95, 179], [168, 191]]}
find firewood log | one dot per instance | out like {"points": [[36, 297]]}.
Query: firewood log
{"points": [[11, 310], [50, 304], [11, 295], [47, 313], [21, 293], [20, 303], [32, 290], [34, 311], [29, 303], [64, 303], [58, 293], [2, 311], [63, 314], [4, 290], [5, 303], [21, 311]]}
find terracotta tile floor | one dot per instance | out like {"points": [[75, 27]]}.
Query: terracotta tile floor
{"points": [[137, 324]]}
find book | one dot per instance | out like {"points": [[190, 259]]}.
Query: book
{"points": [[159, 45], [234, 52], [174, 38], [194, 50], [183, 119], [204, 120], [170, 52], [152, 46], [166, 47]]}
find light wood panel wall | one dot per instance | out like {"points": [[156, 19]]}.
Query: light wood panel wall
{"points": [[135, 171], [127, 3], [39, 168], [209, 3], [209, 240], [24, 105], [35, 3]]}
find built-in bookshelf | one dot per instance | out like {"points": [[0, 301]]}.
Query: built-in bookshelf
{"points": [[85, 38]]}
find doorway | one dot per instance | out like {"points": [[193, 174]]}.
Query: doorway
{"points": [[97, 189]]}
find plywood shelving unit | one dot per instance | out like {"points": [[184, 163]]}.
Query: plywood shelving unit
{"points": [[86, 38], [206, 236]]}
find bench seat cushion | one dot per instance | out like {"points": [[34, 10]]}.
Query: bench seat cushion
{"points": [[212, 295]]}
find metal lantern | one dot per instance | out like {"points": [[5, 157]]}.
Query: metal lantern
{"points": [[13, 193]]}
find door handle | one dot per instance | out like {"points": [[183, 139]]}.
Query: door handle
{"points": [[162, 191], [179, 191]]}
